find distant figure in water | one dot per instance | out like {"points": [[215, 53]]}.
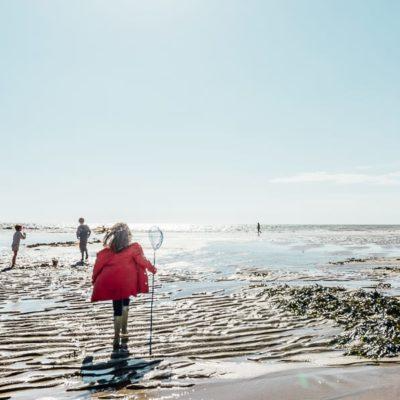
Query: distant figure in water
{"points": [[258, 229], [82, 233], [120, 271], [18, 235]]}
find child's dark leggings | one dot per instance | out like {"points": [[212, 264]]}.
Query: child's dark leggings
{"points": [[118, 304]]}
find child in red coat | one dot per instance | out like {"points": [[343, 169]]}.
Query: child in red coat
{"points": [[120, 272]]}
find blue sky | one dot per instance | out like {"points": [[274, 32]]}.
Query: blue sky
{"points": [[203, 111]]}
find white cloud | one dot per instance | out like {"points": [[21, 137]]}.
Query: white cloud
{"points": [[380, 167], [392, 178]]}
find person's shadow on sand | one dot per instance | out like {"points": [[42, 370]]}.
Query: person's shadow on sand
{"points": [[119, 371], [80, 264], [6, 269]]}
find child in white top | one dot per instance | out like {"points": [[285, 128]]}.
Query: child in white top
{"points": [[18, 235]]}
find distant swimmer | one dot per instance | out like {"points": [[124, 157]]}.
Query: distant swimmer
{"points": [[82, 233], [258, 229], [18, 235]]}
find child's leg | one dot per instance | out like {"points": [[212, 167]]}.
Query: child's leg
{"points": [[81, 249], [14, 259], [125, 311], [117, 306]]}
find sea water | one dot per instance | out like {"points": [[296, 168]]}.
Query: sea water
{"points": [[211, 257]]}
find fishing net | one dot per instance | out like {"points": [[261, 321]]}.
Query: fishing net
{"points": [[156, 237]]}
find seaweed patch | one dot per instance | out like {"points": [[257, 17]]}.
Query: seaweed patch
{"points": [[371, 321]]}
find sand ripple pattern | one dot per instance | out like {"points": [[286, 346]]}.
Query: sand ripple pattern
{"points": [[48, 325]]}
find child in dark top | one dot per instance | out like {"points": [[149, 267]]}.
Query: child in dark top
{"points": [[82, 233]]}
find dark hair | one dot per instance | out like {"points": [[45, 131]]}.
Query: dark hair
{"points": [[18, 227], [118, 237], [81, 220]]}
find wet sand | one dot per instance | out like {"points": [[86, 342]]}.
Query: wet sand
{"points": [[352, 383], [213, 343], [45, 338]]}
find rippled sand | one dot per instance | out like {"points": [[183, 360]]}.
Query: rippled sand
{"points": [[46, 335], [216, 343]]}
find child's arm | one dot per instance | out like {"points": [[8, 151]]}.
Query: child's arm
{"points": [[98, 266], [101, 261], [143, 262]]}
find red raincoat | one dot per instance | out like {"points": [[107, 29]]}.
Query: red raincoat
{"points": [[117, 276]]}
